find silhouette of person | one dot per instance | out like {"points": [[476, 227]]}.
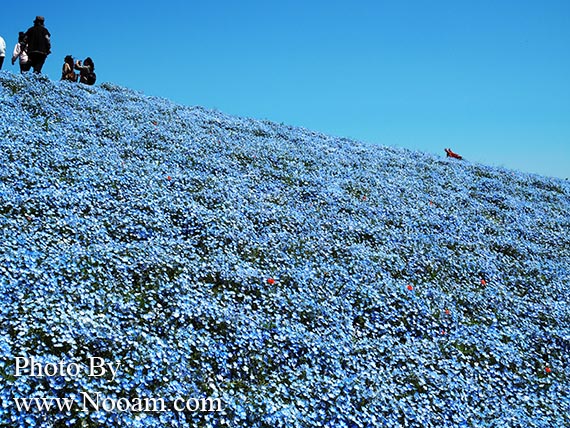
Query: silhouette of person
{"points": [[67, 72], [86, 71], [39, 44]]}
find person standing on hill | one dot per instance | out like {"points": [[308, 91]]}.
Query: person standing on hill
{"points": [[21, 52], [2, 51], [39, 44]]}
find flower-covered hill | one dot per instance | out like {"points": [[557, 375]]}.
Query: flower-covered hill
{"points": [[304, 280]]}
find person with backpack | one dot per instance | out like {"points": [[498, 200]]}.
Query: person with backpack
{"points": [[67, 72], [2, 51], [21, 52], [86, 71], [39, 44]]}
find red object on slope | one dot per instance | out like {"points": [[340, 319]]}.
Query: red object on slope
{"points": [[451, 154]]}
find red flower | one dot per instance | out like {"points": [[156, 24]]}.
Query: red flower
{"points": [[364, 198], [548, 369], [270, 281], [169, 178], [410, 287], [483, 282], [447, 312]]}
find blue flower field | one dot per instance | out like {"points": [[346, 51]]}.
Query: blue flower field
{"points": [[300, 280]]}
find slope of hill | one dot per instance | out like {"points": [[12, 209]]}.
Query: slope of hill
{"points": [[303, 280]]}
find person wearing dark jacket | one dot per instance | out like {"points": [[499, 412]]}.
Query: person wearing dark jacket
{"points": [[39, 44], [86, 71]]}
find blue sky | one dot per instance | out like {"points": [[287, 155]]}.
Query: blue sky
{"points": [[490, 79]]}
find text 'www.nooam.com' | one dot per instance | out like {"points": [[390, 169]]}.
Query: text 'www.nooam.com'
{"points": [[93, 402]]}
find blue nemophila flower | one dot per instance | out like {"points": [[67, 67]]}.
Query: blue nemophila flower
{"points": [[302, 279]]}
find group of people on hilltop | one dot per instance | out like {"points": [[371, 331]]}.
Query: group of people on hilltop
{"points": [[86, 70], [33, 48]]}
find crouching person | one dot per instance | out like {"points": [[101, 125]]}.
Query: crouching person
{"points": [[67, 72], [86, 71]]}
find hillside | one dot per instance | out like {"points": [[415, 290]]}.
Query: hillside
{"points": [[301, 279]]}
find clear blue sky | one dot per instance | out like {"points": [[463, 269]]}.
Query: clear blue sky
{"points": [[488, 78]]}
